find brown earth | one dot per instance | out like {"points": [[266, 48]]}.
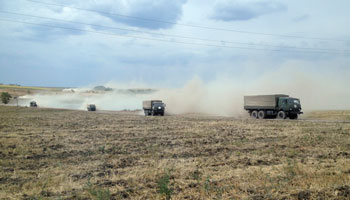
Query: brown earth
{"points": [[64, 154]]}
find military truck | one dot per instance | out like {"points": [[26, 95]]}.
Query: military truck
{"points": [[278, 106], [33, 104], [91, 107], [153, 107]]}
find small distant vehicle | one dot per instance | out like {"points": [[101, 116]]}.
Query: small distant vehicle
{"points": [[278, 106], [91, 107], [33, 104], [154, 107]]}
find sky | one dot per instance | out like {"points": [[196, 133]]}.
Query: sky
{"points": [[161, 43]]}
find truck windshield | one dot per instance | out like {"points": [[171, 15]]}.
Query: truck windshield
{"points": [[158, 104], [296, 101]]}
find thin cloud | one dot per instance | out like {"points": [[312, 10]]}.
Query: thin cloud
{"points": [[233, 10], [161, 10], [301, 18]]}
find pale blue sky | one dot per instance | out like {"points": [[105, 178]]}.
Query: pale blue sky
{"points": [[44, 56]]}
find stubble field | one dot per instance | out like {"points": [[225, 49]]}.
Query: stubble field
{"points": [[65, 154]]}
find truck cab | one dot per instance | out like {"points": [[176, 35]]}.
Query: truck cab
{"points": [[290, 106], [158, 108]]}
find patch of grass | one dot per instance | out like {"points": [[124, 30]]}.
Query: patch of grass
{"points": [[101, 149], [196, 175], [96, 192], [163, 184], [206, 184], [291, 170], [291, 153]]}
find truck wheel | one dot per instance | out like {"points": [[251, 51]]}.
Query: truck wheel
{"points": [[261, 114], [293, 116], [254, 114], [281, 115]]}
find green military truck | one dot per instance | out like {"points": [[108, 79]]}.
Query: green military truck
{"points": [[33, 104], [278, 106], [91, 107], [153, 107]]}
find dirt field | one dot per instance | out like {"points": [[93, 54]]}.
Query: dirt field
{"points": [[64, 154]]}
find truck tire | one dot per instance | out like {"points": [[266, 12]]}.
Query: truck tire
{"points": [[261, 114], [281, 115], [254, 114], [293, 116]]}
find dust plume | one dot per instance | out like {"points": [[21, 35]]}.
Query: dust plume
{"points": [[223, 96]]}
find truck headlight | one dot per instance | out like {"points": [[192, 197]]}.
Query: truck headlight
{"points": [[295, 106], [159, 107]]}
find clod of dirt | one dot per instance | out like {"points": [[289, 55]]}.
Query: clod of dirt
{"points": [[56, 146], [258, 197], [77, 177], [122, 194], [343, 191], [46, 193], [304, 195], [107, 183], [192, 185], [343, 154], [36, 156], [8, 169], [245, 161], [101, 174], [3, 180], [107, 166], [123, 183], [126, 162]]}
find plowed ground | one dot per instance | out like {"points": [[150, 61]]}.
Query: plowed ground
{"points": [[65, 154]]}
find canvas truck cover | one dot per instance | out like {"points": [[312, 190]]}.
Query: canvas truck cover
{"points": [[148, 104], [262, 101]]}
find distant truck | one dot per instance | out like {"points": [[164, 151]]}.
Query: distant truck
{"points": [[91, 107], [33, 104], [278, 106], [153, 107]]}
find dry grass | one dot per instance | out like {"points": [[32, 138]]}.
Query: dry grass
{"points": [[330, 115], [63, 154], [16, 91]]}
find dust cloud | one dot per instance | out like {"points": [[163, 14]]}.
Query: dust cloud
{"points": [[223, 97]]}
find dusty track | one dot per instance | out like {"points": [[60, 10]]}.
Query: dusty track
{"points": [[52, 153]]}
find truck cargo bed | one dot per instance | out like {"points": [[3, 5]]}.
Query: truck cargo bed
{"points": [[262, 101]]}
